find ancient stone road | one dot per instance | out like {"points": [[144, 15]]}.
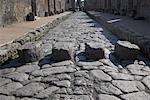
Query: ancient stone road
{"points": [[77, 79]]}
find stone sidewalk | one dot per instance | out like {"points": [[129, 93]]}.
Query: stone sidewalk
{"points": [[11, 32], [136, 31]]}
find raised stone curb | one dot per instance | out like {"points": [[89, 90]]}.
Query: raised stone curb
{"points": [[125, 34], [9, 51]]}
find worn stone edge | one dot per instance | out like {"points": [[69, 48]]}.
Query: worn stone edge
{"points": [[9, 50], [125, 34]]}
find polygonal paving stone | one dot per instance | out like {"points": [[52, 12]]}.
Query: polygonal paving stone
{"points": [[8, 88], [63, 83], [18, 76], [4, 81], [136, 96], [63, 63], [28, 68], [96, 63], [3, 97], [108, 88], [57, 70], [126, 86], [29, 90], [121, 76], [47, 92], [6, 71], [107, 97], [100, 75], [146, 81]]}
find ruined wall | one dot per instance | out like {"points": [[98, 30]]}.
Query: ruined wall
{"points": [[133, 8], [51, 7], [14, 11]]}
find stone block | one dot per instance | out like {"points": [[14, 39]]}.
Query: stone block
{"points": [[62, 51], [30, 52], [126, 50], [94, 51]]}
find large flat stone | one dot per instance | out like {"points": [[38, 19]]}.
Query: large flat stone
{"points": [[47, 92], [136, 96], [63, 83], [126, 50], [29, 90], [8, 88], [28, 68], [57, 70], [94, 51], [18, 76], [107, 97], [146, 81], [100, 75], [126, 86], [3, 97], [108, 88], [121, 76], [4, 81]]}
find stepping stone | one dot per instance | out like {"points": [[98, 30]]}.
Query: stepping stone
{"points": [[126, 51], [30, 52], [94, 51], [62, 51]]}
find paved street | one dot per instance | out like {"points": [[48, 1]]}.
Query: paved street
{"points": [[79, 78]]}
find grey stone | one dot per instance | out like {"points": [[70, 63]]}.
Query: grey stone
{"points": [[29, 90], [108, 88], [100, 75], [28, 68], [63, 63], [125, 50], [3, 97], [18, 76], [4, 81], [63, 51], [135, 66], [82, 81], [94, 51], [46, 66], [76, 97], [6, 70], [146, 81], [126, 86], [47, 92], [136, 96], [95, 63], [8, 88], [107, 97], [29, 98], [63, 83], [80, 91], [57, 70], [30, 52], [121, 76], [89, 67], [63, 77]]}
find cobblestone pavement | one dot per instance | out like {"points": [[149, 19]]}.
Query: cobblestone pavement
{"points": [[77, 79]]}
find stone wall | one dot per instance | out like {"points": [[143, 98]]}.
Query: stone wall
{"points": [[14, 11], [132, 8]]}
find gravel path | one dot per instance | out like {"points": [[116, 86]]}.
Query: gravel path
{"points": [[79, 78]]}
